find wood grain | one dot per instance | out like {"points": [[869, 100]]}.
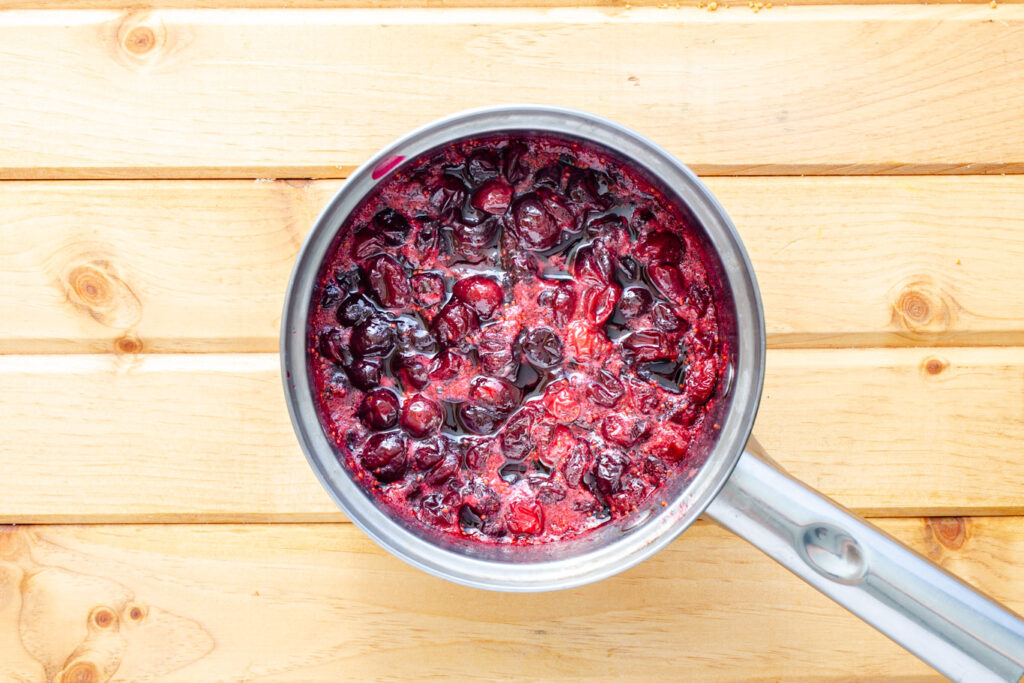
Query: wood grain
{"points": [[302, 93], [207, 437], [321, 602], [163, 266], [146, 5]]}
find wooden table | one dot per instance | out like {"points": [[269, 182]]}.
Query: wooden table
{"points": [[161, 165]]}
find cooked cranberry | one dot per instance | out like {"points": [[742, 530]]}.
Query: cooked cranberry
{"points": [[347, 280], [412, 336], [549, 492], [608, 469], [366, 243], [536, 228], [599, 303], [330, 294], [542, 347], [428, 455], [664, 318], [593, 264], [413, 370], [374, 337], [561, 299], [493, 196], [438, 508], [496, 393], [449, 364], [701, 380], [427, 288], [669, 281], [649, 345], [643, 396], [472, 238], [605, 389], [477, 453], [549, 177], [448, 196], [421, 416], [513, 165], [634, 302], [655, 468], [379, 409], [585, 342], [623, 431], [469, 519], [704, 342], [364, 373], [480, 293], [525, 517], [516, 441], [660, 247], [561, 444], [384, 456], [560, 402], [576, 464], [446, 469], [354, 310], [687, 416], [698, 297], [557, 209], [392, 226], [388, 281], [495, 353], [331, 343], [584, 189], [520, 265], [425, 244], [632, 491], [482, 165], [454, 322]]}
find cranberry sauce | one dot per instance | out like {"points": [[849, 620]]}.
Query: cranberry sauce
{"points": [[514, 340]]}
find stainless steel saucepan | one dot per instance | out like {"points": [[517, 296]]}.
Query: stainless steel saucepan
{"points": [[949, 625]]}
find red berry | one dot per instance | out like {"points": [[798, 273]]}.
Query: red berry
{"points": [[454, 322], [480, 293], [493, 196], [388, 281], [560, 299], [384, 456], [599, 303], [536, 228], [525, 517], [649, 345], [421, 416], [660, 247], [379, 409], [669, 281], [427, 288]]}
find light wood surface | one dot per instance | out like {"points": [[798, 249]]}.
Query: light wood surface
{"points": [[291, 93], [155, 165], [322, 603], [114, 266], [207, 437]]}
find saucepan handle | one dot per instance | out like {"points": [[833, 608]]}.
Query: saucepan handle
{"points": [[949, 625]]}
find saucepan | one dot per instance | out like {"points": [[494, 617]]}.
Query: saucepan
{"points": [[949, 625]]}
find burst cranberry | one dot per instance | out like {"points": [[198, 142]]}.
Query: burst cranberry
{"points": [[525, 517], [495, 393], [550, 177], [559, 447], [384, 456], [576, 464], [379, 409], [392, 226], [332, 345], [454, 322], [448, 196], [557, 209], [536, 228], [624, 431], [354, 310], [438, 509], [480, 293], [364, 373], [586, 343], [561, 300], [634, 302], [449, 364], [482, 165], [421, 416], [542, 347], [664, 318], [605, 390], [516, 440], [698, 297], [471, 238], [413, 371], [593, 264], [583, 188], [495, 353], [366, 243], [427, 288], [660, 247], [478, 451], [513, 165], [374, 337], [608, 470], [388, 281], [669, 281], [599, 304], [428, 455], [520, 265], [649, 345], [560, 402], [446, 470], [701, 379], [493, 196]]}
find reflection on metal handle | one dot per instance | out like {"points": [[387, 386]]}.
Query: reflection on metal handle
{"points": [[949, 625]]}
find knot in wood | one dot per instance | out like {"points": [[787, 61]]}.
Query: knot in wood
{"points": [[950, 532], [81, 672]]}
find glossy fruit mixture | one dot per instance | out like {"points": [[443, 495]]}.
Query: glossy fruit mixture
{"points": [[514, 340]]}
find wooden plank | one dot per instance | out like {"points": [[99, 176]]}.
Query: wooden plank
{"points": [[321, 602], [166, 266], [207, 437], [301, 93], [145, 5]]}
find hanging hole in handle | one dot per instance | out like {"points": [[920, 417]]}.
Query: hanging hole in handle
{"points": [[833, 553]]}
